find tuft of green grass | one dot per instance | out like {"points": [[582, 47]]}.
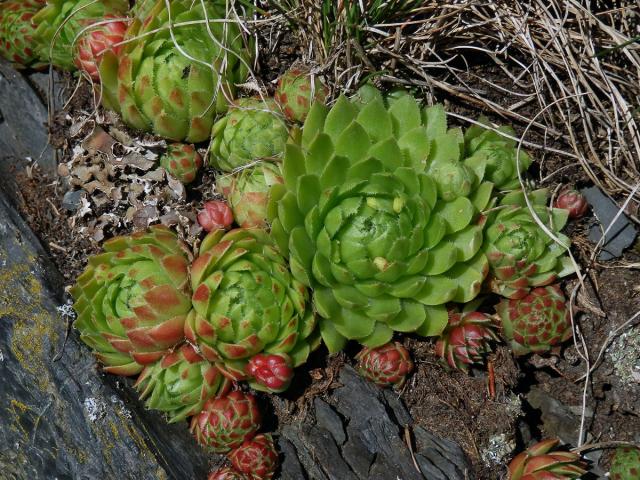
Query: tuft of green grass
{"points": [[351, 17]]}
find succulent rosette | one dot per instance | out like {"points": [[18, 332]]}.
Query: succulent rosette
{"points": [[226, 422], [370, 219], [253, 129], [245, 303], [542, 462], [536, 322], [385, 365], [521, 254], [174, 80], [257, 458], [132, 300], [105, 35], [182, 161], [498, 152], [62, 22], [180, 383], [297, 90], [17, 32], [625, 464], [248, 192], [466, 339], [226, 473]]}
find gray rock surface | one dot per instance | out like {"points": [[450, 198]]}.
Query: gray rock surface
{"points": [[23, 119], [622, 232], [360, 434], [60, 418]]}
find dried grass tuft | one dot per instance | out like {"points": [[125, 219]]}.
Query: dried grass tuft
{"points": [[570, 69]]}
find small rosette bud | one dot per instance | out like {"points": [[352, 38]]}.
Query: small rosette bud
{"points": [[257, 458], [521, 254], [252, 130], [540, 462], [182, 161], [573, 202], [180, 383], [466, 339], [215, 215], [297, 90], [273, 372], [226, 422], [536, 322], [247, 192], [386, 365]]}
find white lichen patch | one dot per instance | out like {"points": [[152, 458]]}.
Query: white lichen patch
{"points": [[624, 353], [513, 405], [66, 310], [94, 408], [499, 449], [119, 404], [1, 356]]}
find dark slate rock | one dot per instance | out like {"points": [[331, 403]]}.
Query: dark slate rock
{"points": [[327, 418], [400, 413], [445, 455], [620, 236], [358, 453], [49, 85], [290, 467], [362, 403], [358, 434], [61, 418], [23, 119]]}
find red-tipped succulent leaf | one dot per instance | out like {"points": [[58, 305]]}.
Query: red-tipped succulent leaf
{"points": [[541, 462]]}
